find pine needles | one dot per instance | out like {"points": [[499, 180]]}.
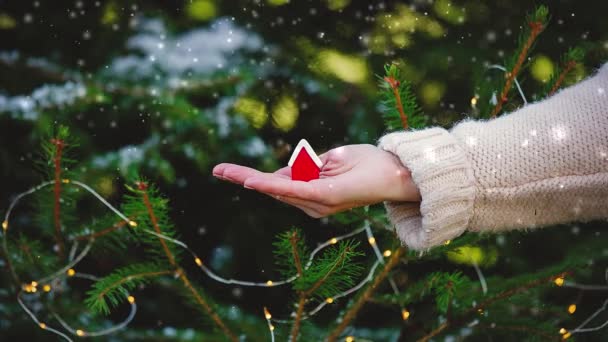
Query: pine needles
{"points": [[334, 271], [114, 288], [535, 24], [400, 110]]}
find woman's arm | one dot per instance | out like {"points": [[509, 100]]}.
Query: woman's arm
{"points": [[543, 164]]}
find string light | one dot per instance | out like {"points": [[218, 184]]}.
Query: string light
{"points": [[65, 181], [566, 335], [71, 272], [29, 288], [559, 281], [405, 314], [268, 316], [349, 339], [387, 253], [583, 328], [571, 308], [447, 242], [562, 331], [32, 287], [198, 261], [474, 101]]}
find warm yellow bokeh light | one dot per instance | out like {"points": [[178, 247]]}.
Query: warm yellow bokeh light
{"points": [[542, 68], [110, 13], [348, 68], [470, 255], [202, 10], [285, 113], [7, 22], [277, 2], [450, 12], [336, 5], [253, 110], [396, 29], [105, 186], [431, 92]]}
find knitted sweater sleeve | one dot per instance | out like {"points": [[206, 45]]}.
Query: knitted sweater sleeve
{"points": [[543, 164]]}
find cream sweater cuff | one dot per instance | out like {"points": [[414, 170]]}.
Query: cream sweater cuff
{"points": [[444, 176]]}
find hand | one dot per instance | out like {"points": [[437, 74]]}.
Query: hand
{"points": [[351, 176]]}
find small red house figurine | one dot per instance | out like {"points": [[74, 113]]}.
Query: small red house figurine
{"points": [[304, 162]]}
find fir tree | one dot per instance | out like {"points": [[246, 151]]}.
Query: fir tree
{"points": [[334, 285]]}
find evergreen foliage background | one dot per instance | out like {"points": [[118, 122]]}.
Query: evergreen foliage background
{"points": [[259, 76]]}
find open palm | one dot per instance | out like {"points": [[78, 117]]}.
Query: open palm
{"points": [[351, 176]]}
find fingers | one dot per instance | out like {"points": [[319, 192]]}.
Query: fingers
{"points": [[238, 174], [286, 171], [218, 170]]}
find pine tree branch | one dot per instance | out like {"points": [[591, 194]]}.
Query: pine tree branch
{"points": [[294, 249], [130, 277], [398, 104], [9, 263], [305, 294], [536, 25], [94, 235], [502, 295], [143, 187], [203, 303], [297, 321], [295, 329], [356, 307], [59, 145], [320, 282], [562, 76]]}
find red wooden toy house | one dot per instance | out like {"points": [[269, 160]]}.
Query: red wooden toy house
{"points": [[304, 162]]}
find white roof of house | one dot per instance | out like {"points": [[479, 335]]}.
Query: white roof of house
{"points": [[303, 144]]}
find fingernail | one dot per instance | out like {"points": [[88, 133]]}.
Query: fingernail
{"points": [[247, 187]]}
